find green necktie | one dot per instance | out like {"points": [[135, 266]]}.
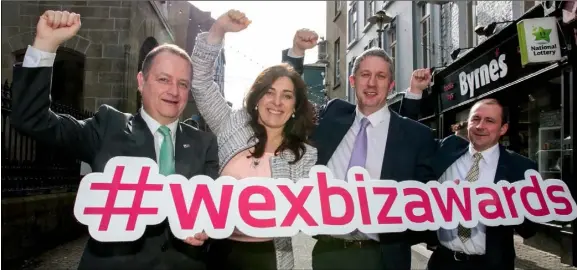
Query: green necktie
{"points": [[166, 157]]}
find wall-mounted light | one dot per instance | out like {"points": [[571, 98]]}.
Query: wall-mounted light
{"points": [[455, 53], [380, 18], [487, 30]]}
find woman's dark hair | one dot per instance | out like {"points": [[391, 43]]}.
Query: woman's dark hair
{"points": [[296, 130]]}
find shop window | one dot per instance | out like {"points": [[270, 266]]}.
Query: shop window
{"points": [[542, 136], [545, 138]]}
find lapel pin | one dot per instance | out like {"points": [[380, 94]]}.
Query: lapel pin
{"points": [[186, 145]]}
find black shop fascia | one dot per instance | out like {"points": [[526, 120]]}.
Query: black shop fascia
{"points": [[493, 70], [491, 67]]}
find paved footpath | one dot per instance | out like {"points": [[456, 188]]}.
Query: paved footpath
{"points": [[67, 256], [528, 258]]}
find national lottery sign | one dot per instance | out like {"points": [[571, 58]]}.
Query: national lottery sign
{"points": [[130, 194]]}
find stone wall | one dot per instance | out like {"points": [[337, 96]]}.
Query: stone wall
{"points": [[110, 37], [36, 223]]}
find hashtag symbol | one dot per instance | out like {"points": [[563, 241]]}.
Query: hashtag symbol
{"points": [[135, 210]]}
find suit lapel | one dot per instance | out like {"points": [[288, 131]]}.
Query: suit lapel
{"points": [[501, 173], [334, 133], [142, 139], [455, 149], [393, 147], [184, 152]]}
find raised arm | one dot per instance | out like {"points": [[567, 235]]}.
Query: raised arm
{"points": [[31, 113], [411, 103], [303, 40], [206, 92]]}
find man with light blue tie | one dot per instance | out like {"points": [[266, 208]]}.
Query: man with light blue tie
{"points": [[388, 146]]}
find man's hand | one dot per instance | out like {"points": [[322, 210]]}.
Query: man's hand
{"points": [[197, 240], [54, 28], [231, 21], [420, 80], [304, 39]]}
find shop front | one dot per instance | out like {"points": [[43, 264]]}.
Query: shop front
{"points": [[538, 98]]}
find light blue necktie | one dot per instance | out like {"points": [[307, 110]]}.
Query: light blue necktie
{"points": [[166, 157], [359, 154], [359, 158]]}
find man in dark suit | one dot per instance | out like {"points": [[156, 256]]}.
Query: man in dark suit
{"points": [[154, 132], [304, 39], [481, 159], [400, 150]]}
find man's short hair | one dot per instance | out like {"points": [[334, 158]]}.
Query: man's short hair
{"points": [[170, 48], [378, 52], [493, 101]]}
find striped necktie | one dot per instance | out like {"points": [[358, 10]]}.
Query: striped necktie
{"points": [[473, 175]]}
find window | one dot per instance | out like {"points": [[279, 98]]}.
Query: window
{"points": [[372, 43], [392, 39], [392, 43], [425, 35], [353, 23], [337, 56], [351, 91], [369, 10]]}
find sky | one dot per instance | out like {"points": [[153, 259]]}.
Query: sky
{"points": [[274, 24]]}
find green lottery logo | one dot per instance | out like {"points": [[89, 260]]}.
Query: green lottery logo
{"points": [[541, 35]]}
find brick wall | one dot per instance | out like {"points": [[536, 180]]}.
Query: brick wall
{"points": [[33, 224], [111, 35]]}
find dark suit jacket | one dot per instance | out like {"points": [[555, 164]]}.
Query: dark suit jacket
{"points": [[297, 63], [500, 249], [409, 148], [107, 134]]}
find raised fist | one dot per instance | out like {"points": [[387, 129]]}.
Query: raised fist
{"points": [[56, 27], [305, 39], [232, 21], [420, 80]]}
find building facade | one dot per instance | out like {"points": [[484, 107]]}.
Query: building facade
{"points": [[99, 65], [335, 78], [313, 75]]}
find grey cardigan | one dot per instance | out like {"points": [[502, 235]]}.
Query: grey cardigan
{"points": [[234, 133]]}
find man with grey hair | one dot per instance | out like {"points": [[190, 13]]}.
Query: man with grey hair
{"points": [[400, 150]]}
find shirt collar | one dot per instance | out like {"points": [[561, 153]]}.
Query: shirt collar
{"points": [[490, 155], [153, 125], [375, 118]]}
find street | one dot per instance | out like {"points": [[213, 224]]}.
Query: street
{"points": [[67, 255]]}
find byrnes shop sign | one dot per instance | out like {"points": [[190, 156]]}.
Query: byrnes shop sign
{"points": [[492, 69]]}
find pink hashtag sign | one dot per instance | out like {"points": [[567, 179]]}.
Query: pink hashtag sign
{"points": [[130, 194], [119, 203]]}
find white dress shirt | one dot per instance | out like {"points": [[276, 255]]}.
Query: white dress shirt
{"points": [[377, 133], [153, 125], [458, 170], [37, 58]]}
